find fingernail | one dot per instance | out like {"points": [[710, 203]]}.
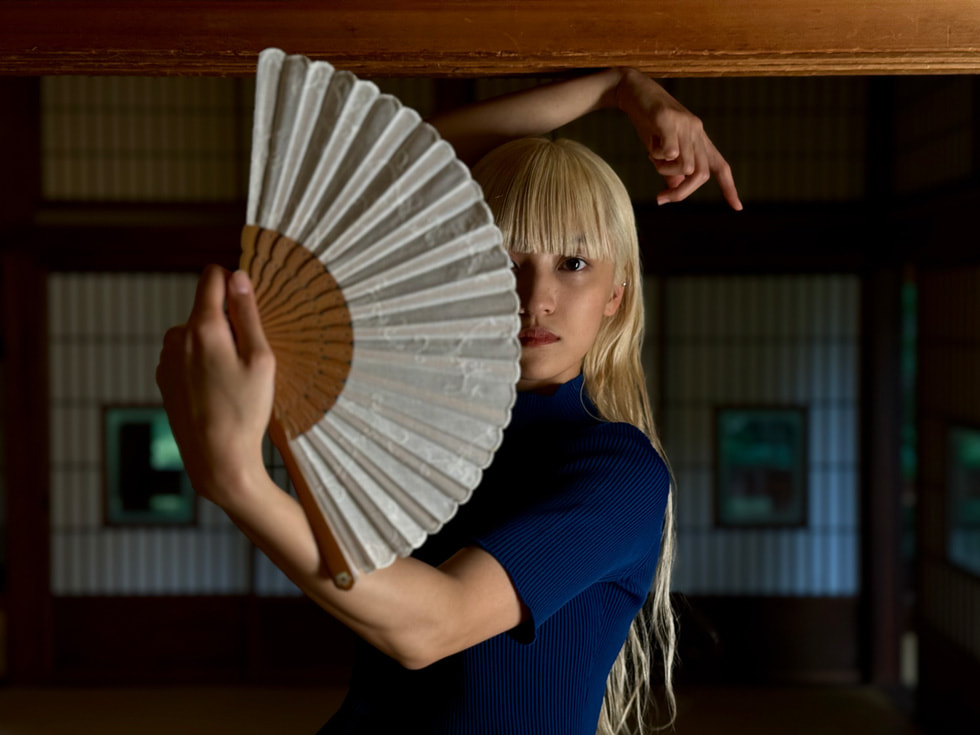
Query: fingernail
{"points": [[240, 282]]}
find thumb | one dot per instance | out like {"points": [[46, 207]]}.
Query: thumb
{"points": [[243, 313]]}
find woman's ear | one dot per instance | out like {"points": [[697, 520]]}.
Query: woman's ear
{"points": [[612, 306]]}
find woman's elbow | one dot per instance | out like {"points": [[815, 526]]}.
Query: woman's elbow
{"points": [[415, 662], [413, 650]]}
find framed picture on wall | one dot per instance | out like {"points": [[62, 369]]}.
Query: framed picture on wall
{"points": [[963, 497], [144, 478], [760, 466]]}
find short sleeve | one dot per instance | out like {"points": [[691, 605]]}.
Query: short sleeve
{"points": [[599, 520]]}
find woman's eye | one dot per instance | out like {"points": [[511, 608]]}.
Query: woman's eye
{"points": [[573, 264]]}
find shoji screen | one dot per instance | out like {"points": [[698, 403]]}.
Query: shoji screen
{"points": [[105, 332], [767, 340]]}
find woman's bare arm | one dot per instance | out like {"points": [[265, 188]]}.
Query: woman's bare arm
{"points": [[674, 138], [216, 375]]}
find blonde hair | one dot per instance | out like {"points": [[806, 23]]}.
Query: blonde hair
{"points": [[560, 197]]}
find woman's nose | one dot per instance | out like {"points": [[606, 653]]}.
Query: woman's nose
{"points": [[536, 291]]}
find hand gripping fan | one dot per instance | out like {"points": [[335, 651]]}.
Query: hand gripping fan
{"points": [[389, 303]]}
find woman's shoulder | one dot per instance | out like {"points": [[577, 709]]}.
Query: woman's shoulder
{"points": [[618, 446], [618, 434]]}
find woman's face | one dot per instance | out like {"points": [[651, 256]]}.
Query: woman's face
{"points": [[564, 300]]}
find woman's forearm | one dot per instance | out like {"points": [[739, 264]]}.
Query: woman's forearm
{"points": [[216, 376], [411, 611], [475, 129], [673, 137]]}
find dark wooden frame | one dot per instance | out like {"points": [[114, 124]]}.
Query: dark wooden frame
{"points": [[23, 303], [487, 37], [801, 472]]}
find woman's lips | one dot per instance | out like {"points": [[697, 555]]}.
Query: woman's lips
{"points": [[536, 337]]}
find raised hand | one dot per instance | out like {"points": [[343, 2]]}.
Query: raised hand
{"points": [[675, 140], [216, 375]]}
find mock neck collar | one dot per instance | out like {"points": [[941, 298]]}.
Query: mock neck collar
{"points": [[570, 400]]}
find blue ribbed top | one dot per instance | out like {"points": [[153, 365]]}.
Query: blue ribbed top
{"points": [[572, 507]]}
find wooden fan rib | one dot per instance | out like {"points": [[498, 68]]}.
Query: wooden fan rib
{"points": [[330, 310], [276, 259], [309, 353], [290, 280], [313, 343], [311, 376], [326, 533], [326, 377], [298, 391], [259, 270], [337, 343], [299, 405], [315, 295]]}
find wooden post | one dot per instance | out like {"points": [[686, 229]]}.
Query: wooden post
{"points": [[881, 480], [27, 591]]}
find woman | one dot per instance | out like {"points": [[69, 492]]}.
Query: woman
{"points": [[509, 619]]}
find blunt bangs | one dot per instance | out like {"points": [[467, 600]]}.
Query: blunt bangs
{"points": [[555, 197]]}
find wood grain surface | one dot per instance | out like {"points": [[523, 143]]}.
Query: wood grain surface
{"points": [[491, 37]]}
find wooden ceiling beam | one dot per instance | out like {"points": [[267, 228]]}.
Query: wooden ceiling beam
{"points": [[457, 38]]}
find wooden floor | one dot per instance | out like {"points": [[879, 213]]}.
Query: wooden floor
{"points": [[284, 711]]}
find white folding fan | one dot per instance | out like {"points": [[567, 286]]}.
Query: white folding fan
{"points": [[389, 302]]}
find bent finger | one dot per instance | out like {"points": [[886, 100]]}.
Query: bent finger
{"points": [[684, 190], [688, 184], [668, 168]]}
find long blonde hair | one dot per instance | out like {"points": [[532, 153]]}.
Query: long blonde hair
{"points": [[560, 197]]}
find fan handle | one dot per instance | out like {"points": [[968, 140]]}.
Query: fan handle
{"points": [[330, 553]]}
